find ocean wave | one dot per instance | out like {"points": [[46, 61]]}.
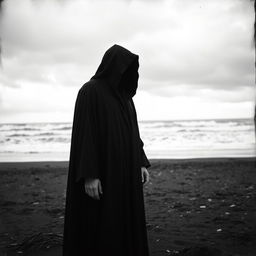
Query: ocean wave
{"points": [[8, 151], [46, 134], [13, 124], [62, 128], [36, 139], [32, 135], [154, 125], [52, 139], [20, 129], [189, 130], [19, 135]]}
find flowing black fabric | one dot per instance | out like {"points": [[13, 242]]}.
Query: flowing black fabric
{"points": [[106, 144]]}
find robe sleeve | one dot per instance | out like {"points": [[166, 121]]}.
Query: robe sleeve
{"points": [[84, 135], [144, 160]]}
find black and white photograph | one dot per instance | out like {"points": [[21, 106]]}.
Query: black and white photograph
{"points": [[127, 128]]}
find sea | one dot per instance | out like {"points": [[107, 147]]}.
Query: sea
{"points": [[173, 139]]}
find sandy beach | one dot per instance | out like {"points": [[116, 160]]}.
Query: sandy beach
{"points": [[193, 207]]}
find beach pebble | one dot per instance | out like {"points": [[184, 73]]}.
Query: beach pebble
{"points": [[159, 174]]}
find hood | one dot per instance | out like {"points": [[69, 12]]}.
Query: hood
{"points": [[119, 67]]}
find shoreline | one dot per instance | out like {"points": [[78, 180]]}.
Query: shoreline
{"points": [[63, 164]]}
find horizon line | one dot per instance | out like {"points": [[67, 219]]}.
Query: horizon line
{"points": [[145, 120]]}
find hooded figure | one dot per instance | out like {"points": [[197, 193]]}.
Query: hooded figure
{"points": [[106, 145]]}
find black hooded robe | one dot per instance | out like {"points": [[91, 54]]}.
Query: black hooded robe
{"points": [[106, 144]]}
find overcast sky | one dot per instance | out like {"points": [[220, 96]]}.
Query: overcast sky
{"points": [[196, 57]]}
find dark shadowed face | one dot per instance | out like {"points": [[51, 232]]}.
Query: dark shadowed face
{"points": [[129, 81]]}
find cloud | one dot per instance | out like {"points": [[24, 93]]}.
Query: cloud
{"points": [[196, 48]]}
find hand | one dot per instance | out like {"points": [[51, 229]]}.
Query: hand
{"points": [[93, 188], [144, 175]]}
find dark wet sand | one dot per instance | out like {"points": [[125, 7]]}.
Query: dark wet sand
{"points": [[191, 206]]}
